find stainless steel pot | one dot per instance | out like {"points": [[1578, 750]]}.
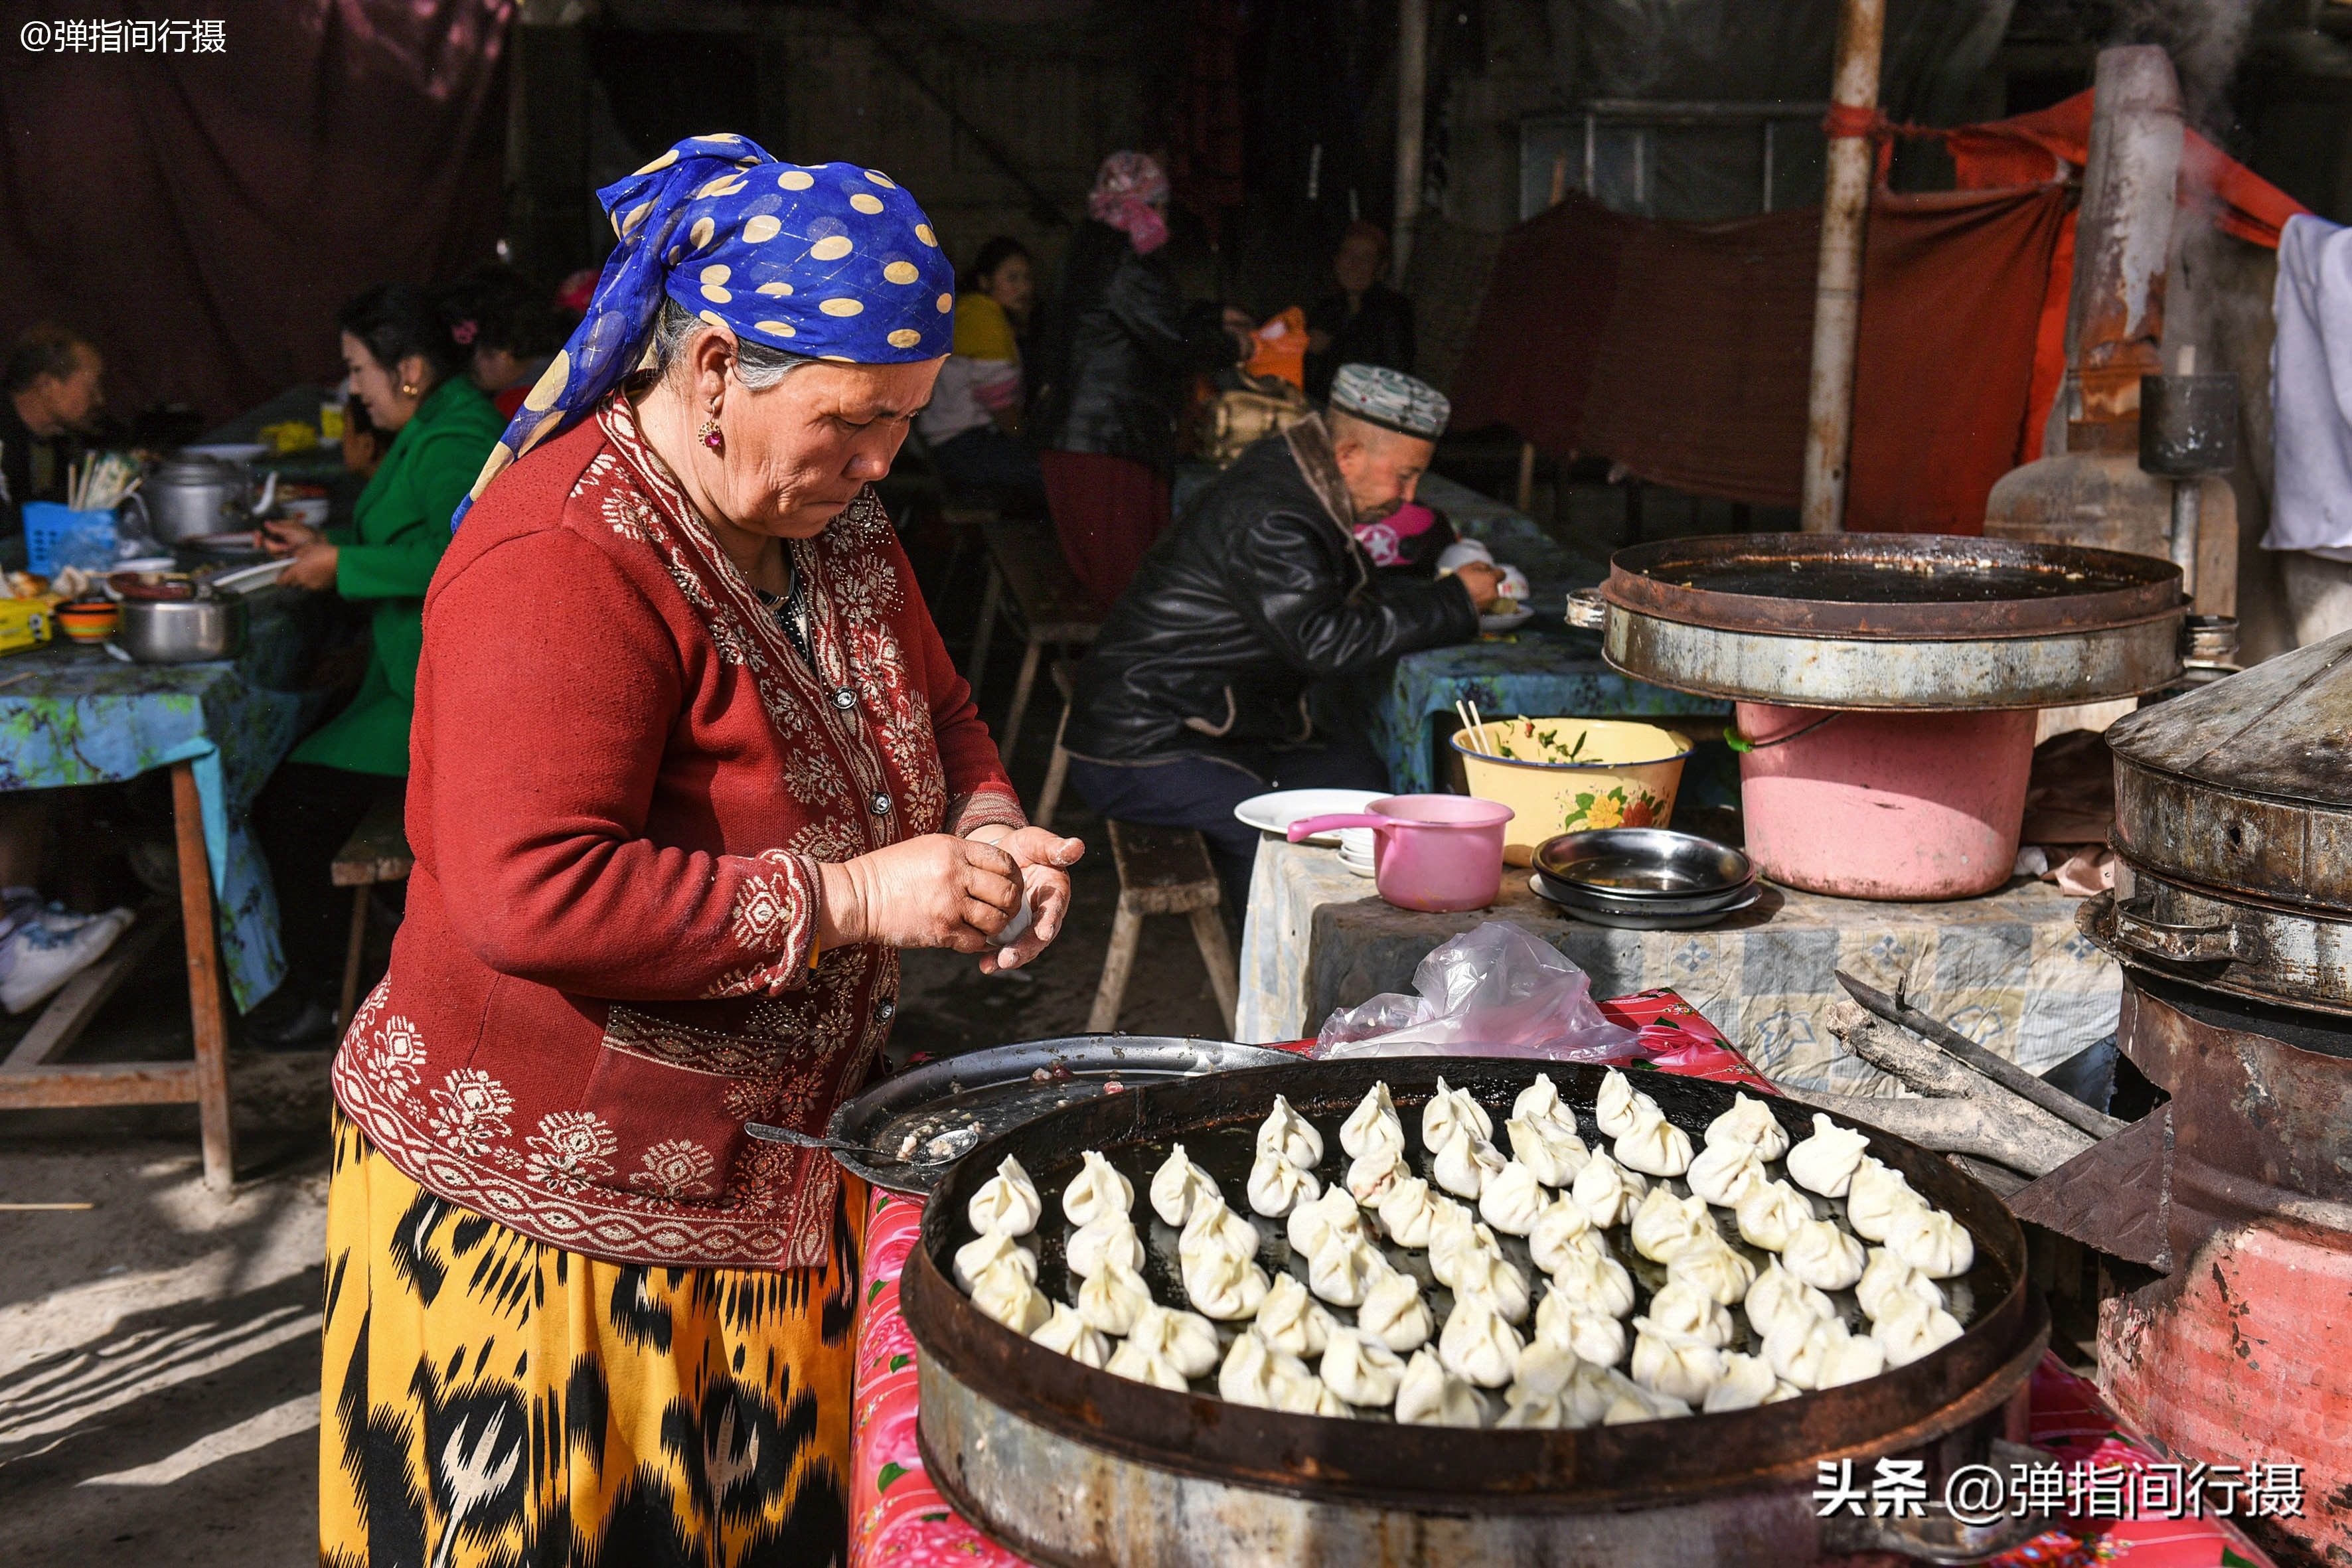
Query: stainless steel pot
{"points": [[182, 631], [190, 497]]}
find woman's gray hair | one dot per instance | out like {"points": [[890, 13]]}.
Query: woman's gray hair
{"points": [[756, 366]]}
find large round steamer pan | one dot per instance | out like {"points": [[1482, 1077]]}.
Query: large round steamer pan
{"points": [[1070, 1465], [1891, 621]]}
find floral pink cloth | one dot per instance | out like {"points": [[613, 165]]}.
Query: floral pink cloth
{"points": [[898, 1517], [1130, 195]]}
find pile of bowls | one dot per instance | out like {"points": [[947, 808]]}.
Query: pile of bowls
{"points": [[1643, 878]]}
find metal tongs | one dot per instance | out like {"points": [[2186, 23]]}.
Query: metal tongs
{"points": [[943, 1150]]}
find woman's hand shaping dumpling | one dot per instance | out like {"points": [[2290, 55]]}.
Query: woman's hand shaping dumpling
{"points": [[1043, 859], [940, 890]]}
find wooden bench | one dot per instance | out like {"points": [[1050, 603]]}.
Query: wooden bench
{"points": [[1046, 606], [377, 851], [1163, 871], [1057, 767]]}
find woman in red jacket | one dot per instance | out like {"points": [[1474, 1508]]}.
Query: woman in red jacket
{"points": [[689, 765]]}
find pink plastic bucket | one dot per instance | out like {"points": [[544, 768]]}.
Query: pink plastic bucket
{"points": [[1438, 852], [1884, 805]]}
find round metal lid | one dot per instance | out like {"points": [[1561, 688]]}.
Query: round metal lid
{"points": [[2245, 786]]}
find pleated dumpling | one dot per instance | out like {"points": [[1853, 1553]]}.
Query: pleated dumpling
{"points": [[1343, 1270], [1309, 1223], [1822, 1256], [1371, 1173], [1747, 1381], [1931, 1241], [1465, 1161], [1826, 1162], [1876, 1196], [1277, 1186], [1590, 1335], [1360, 1369], [1655, 1147], [1513, 1199], [1223, 1285], [1680, 1307], [1290, 1135], [1819, 1353], [1621, 1106], [1494, 1277], [1111, 1301], [1750, 1121], [1372, 1125], [1562, 1229], [1887, 1281], [1682, 1366], [1096, 1190], [1914, 1330], [1408, 1210], [1769, 1212], [1291, 1320], [1477, 1344], [1595, 1282], [1607, 1190], [1392, 1312], [1555, 1156], [1066, 1331], [1177, 1185], [1663, 1224], [988, 1247], [1187, 1338], [1723, 1173], [1541, 1103], [1132, 1360], [1007, 1294], [1112, 1238], [1214, 1224], [1430, 1395], [1007, 1203], [1713, 1267], [1778, 1295]]}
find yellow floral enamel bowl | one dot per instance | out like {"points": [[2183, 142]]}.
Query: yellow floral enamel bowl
{"points": [[1566, 775]]}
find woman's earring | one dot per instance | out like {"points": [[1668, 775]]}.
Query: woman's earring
{"points": [[407, 389], [709, 434]]}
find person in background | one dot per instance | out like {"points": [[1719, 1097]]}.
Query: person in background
{"points": [[363, 443], [407, 366], [972, 424], [508, 323], [1197, 692], [1364, 322], [52, 386], [1121, 347]]}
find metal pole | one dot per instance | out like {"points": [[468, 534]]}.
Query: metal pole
{"points": [[1412, 98], [1837, 293]]}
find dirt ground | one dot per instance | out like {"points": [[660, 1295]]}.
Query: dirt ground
{"points": [[159, 1356]]}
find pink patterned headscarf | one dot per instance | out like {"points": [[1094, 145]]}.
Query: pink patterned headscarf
{"points": [[1129, 190]]}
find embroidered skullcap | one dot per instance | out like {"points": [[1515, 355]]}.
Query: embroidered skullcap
{"points": [[829, 261], [1390, 399]]}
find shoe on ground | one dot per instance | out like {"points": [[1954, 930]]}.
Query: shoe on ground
{"points": [[47, 946], [288, 1022]]}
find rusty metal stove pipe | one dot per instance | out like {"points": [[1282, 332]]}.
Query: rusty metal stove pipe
{"points": [[2123, 236]]}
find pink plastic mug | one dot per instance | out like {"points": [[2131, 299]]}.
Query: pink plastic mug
{"points": [[1437, 852]]}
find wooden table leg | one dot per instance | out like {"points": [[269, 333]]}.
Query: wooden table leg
{"points": [[204, 1002]]}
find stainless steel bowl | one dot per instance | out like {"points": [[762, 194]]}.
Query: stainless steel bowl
{"points": [[1644, 863], [182, 631]]}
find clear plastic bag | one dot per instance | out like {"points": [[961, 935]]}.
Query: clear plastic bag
{"points": [[1497, 991]]}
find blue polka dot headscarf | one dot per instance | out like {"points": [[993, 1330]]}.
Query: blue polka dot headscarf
{"points": [[827, 260]]}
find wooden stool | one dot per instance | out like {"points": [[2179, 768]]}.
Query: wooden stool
{"points": [[377, 851], [1162, 871], [1057, 769], [1047, 607]]}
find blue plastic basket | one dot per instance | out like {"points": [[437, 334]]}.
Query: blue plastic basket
{"points": [[47, 524]]}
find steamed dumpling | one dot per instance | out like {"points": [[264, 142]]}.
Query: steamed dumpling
{"points": [[1778, 1295], [1723, 1173], [1310, 1222], [1465, 1161], [1540, 1103], [1453, 1236], [1713, 1269], [1624, 1400], [1769, 1212], [1681, 1366], [1008, 1295], [1110, 1302], [1450, 1108], [1876, 1196], [1293, 1321], [1225, 1285], [1750, 1121], [1007, 1203], [989, 1247], [1290, 1135], [1607, 1190], [1360, 1369], [1682, 1308], [1408, 1209], [1247, 1375], [1096, 1190], [1374, 1125], [1392, 1312], [1931, 1241], [1187, 1338], [1430, 1395], [1595, 1282], [1371, 1173], [1476, 1343], [1214, 1225], [1066, 1331], [1664, 1223], [1527, 1410], [1887, 1281], [1822, 1256], [1344, 1269], [1110, 1237], [1490, 1274], [1553, 1155], [1593, 1336], [1298, 1392], [1914, 1330], [1655, 1147], [1819, 1353], [1513, 1199], [1747, 1381], [1132, 1361], [1178, 1185], [1621, 1106], [1277, 1186], [1826, 1162], [1561, 1228]]}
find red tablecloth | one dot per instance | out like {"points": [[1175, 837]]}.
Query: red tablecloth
{"points": [[898, 1517]]}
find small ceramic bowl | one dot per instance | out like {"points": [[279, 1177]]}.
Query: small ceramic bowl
{"points": [[89, 620]]}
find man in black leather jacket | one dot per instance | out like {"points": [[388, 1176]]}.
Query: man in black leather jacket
{"points": [[1196, 694]]}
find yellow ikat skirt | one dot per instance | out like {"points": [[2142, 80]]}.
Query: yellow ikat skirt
{"points": [[491, 1400]]}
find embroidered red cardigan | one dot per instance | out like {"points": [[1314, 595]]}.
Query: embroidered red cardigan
{"points": [[621, 777]]}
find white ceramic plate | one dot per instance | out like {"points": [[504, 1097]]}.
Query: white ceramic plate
{"points": [[229, 451], [1511, 622], [1275, 812]]}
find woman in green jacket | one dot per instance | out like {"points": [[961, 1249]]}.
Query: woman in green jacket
{"points": [[407, 366]]}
